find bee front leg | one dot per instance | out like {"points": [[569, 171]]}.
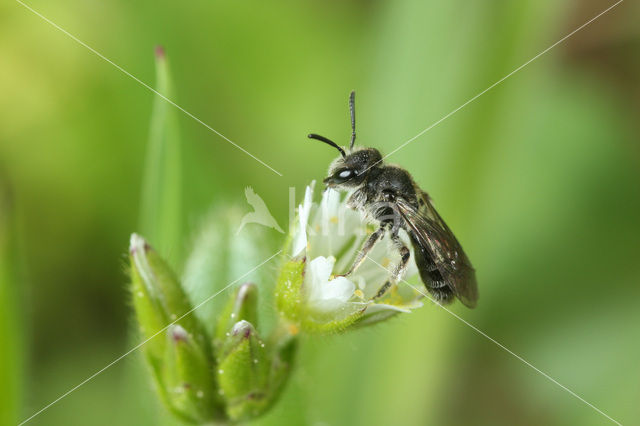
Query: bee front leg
{"points": [[366, 248]]}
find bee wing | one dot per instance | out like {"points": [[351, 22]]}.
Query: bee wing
{"points": [[432, 233]]}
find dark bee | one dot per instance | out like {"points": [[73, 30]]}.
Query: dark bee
{"points": [[388, 196]]}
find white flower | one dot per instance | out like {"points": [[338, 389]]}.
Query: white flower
{"points": [[329, 236]]}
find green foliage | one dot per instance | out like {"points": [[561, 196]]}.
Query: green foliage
{"points": [[11, 330], [234, 375], [161, 205], [219, 256]]}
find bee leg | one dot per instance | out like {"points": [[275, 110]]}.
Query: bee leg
{"points": [[366, 248], [382, 290], [405, 254], [399, 270]]}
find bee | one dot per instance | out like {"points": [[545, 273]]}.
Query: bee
{"points": [[388, 196]]}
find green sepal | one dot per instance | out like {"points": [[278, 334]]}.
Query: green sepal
{"points": [[336, 322], [243, 373], [242, 305], [187, 381], [289, 297]]}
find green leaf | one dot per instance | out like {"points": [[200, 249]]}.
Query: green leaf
{"points": [[161, 206], [10, 329]]}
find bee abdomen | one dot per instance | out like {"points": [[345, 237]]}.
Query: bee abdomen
{"points": [[443, 295], [431, 276]]}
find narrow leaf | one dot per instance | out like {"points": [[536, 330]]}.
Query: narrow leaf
{"points": [[10, 329], [160, 211]]}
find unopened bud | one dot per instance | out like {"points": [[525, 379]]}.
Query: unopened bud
{"points": [[180, 358], [243, 372], [186, 378]]}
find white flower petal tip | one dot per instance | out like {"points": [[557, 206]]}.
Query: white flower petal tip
{"points": [[304, 209]]}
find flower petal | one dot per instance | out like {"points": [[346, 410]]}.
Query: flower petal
{"points": [[339, 288], [300, 238], [325, 294], [320, 270]]}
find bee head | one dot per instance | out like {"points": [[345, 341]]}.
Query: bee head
{"points": [[351, 169]]}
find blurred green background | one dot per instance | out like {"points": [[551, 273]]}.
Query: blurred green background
{"points": [[539, 178]]}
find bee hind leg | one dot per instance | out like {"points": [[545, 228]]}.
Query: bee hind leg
{"points": [[382, 291], [405, 254]]}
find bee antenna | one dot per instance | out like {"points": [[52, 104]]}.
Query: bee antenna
{"points": [[352, 111], [328, 142]]}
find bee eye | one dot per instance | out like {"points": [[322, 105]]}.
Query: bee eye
{"points": [[345, 174]]}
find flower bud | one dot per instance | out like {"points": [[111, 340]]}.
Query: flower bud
{"points": [[181, 359], [243, 305], [243, 372], [251, 372], [186, 378]]}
